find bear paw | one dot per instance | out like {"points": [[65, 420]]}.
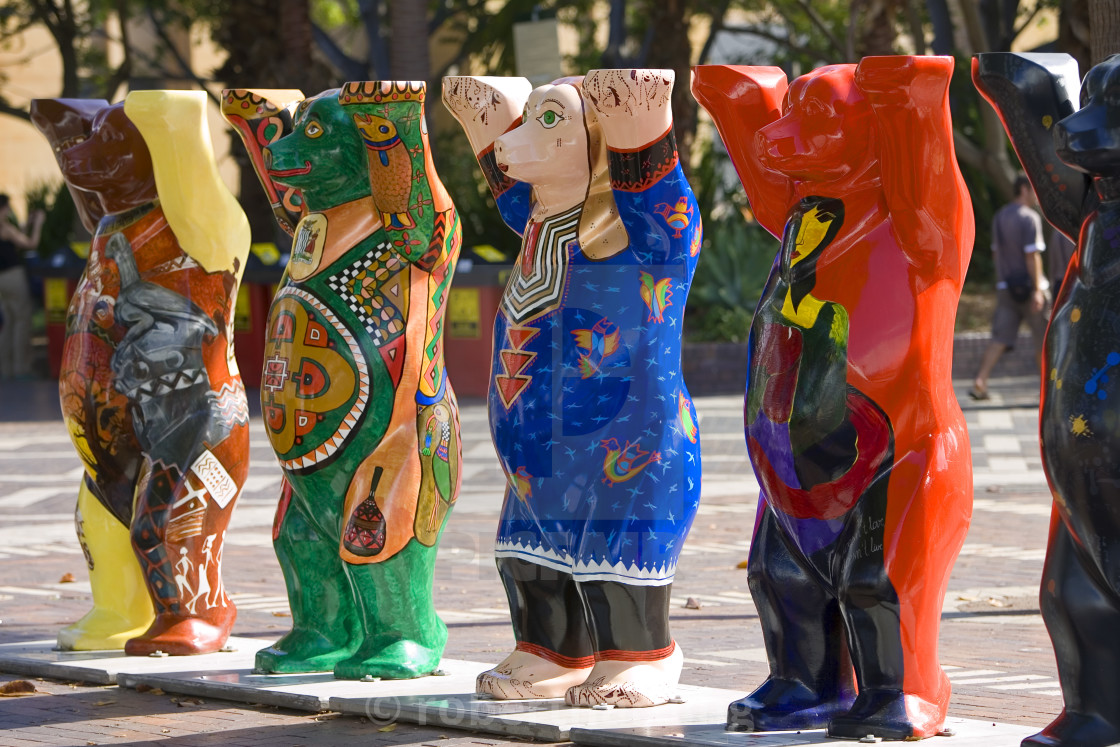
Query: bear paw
{"points": [[1078, 729], [400, 660], [302, 651], [183, 635], [101, 630], [524, 675], [628, 684], [782, 704], [890, 714]]}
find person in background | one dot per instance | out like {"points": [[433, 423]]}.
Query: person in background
{"points": [[1022, 290], [15, 294]]}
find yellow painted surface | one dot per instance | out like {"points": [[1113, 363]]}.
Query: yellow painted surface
{"points": [[121, 606], [464, 313], [206, 218]]}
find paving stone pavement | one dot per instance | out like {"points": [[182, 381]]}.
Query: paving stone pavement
{"points": [[993, 643]]}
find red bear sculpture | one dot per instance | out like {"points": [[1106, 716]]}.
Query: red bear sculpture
{"points": [[853, 429]]}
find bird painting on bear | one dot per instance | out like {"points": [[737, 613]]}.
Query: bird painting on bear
{"points": [[390, 173]]}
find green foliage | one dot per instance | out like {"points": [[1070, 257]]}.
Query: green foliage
{"points": [[735, 260], [735, 256], [459, 172], [54, 199]]}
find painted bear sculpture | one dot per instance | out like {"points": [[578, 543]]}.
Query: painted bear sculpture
{"points": [[1071, 154], [355, 396], [149, 389], [590, 416], [852, 426]]}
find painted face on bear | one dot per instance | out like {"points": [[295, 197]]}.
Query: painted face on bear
{"points": [[550, 147]]}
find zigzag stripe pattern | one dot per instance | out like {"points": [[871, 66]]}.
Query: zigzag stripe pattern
{"points": [[583, 570], [231, 403], [542, 289]]}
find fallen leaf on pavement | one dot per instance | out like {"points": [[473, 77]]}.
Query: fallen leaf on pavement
{"points": [[388, 727], [16, 688]]}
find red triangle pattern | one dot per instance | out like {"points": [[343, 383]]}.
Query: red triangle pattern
{"points": [[515, 361], [510, 388], [393, 355], [521, 335], [511, 383]]}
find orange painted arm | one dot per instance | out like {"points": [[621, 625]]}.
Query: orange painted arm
{"points": [[922, 186], [742, 100]]}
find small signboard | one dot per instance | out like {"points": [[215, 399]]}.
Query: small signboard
{"points": [[464, 314]]}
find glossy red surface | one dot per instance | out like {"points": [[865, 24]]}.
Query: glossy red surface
{"points": [[859, 160]]}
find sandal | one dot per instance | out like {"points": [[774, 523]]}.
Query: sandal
{"points": [[979, 394]]}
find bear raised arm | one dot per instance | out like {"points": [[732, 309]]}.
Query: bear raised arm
{"points": [[741, 101], [1031, 93], [487, 108], [261, 117]]}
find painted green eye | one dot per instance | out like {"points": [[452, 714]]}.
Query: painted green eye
{"points": [[313, 129], [524, 115], [549, 119]]}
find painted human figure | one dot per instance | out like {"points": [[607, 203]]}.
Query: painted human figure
{"points": [[149, 390], [853, 430], [354, 382], [590, 416], [1071, 155]]}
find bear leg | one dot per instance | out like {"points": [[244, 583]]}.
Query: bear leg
{"points": [[1082, 615], [121, 606], [325, 625], [183, 569], [401, 634], [888, 705], [637, 663], [554, 649], [810, 671]]}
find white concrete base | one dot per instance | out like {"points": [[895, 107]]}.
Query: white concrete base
{"points": [[445, 700], [305, 692], [547, 720], [40, 659], [965, 733]]}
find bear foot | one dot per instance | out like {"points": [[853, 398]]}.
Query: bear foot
{"points": [[101, 630], [1078, 729], [526, 675], [301, 651], [782, 704], [400, 660], [890, 714], [628, 684], [183, 635]]}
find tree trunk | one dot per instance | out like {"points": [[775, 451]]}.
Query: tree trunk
{"points": [[669, 48], [1073, 31], [408, 45], [1104, 29], [297, 40]]}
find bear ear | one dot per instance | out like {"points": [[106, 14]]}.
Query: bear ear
{"points": [[261, 117], [66, 122]]}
